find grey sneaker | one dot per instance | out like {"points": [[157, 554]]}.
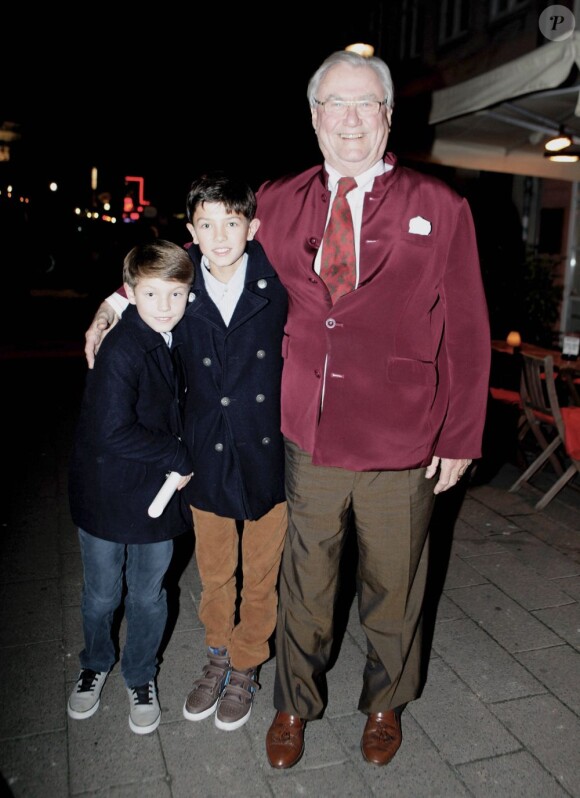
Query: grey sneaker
{"points": [[206, 690], [235, 704], [86, 696], [144, 709]]}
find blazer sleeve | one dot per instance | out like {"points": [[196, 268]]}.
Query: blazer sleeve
{"points": [[466, 353]]}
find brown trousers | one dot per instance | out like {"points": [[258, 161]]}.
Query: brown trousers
{"points": [[216, 549], [391, 511]]}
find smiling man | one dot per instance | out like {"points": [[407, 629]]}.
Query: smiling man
{"points": [[384, 386]]}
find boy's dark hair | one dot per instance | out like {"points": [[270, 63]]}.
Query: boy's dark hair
{"points": [[234, 194], [159, 258]]}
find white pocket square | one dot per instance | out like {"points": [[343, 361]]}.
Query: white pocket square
{"points": [[419, 226]]}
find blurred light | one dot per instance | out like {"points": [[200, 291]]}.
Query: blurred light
{"points": [[94, 178], [559, 142], [52, 186], [366, 50], [563, 157]]}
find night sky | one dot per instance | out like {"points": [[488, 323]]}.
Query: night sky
{"points": [[167, 95]]}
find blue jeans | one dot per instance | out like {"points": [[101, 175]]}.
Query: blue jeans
{"points": [[145, 565]]}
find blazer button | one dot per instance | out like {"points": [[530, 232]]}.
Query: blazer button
{"points": [[262, 283], [206, 361], [260, 354], [225, 401], [265, 441], [260, 397], [330, 323], [219, 447]]}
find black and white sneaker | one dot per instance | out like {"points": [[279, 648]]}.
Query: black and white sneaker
{"points": [[86, 696], [144, 709]]}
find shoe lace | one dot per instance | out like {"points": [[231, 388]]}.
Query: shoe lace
{"points": [[87, 680], [143, 694]]}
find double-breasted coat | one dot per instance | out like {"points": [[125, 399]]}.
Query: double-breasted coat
{"points": [[233, 400], [128, 438]]}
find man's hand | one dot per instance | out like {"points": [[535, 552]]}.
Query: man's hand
{"points": [[104, 321], [450, 472]]}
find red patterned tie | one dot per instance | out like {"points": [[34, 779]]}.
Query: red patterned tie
{"points": [[338, 265]]}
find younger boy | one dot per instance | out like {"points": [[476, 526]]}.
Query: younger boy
{"points": [[128, 438]]}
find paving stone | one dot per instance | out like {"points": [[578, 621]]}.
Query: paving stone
{"points": [[30, 612], [519, 581], [543, 558], [550, 732], [457, 722], [516, 775], [25, 667], [565, 621], [461, 574], [502, 618], [34, 766], [487, 668], [558, 668], [570, 585]]}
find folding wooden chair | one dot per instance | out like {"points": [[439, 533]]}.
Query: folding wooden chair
{"points": [[542, 409]]}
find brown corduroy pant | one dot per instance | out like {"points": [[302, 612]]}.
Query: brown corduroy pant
{"points": [[391, 511], [217, 546]]}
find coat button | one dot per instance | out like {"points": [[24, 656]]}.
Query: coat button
{"points": [[225, 400], [265, 441], [206, 361], [219, 447], [260, 354], [260, 397], [330, 323], [262, 283]]}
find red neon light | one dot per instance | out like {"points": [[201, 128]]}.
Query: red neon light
{"points": [[141, 182]]}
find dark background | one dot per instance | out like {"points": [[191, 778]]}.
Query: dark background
{"points": [[164, 94]]}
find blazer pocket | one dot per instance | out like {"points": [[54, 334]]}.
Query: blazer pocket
{"points": [[417, 239], [406, 370]]}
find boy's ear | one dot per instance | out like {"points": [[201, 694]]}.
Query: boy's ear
{"points": [[191, 229], [253, 228], [130, 293]]}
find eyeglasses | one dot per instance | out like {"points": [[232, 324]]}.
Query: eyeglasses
{"points": [[339, 108]]}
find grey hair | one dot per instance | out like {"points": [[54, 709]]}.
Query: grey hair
{"points": [[352, 59]]}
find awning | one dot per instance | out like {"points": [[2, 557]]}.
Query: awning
{"points": [[500, 120]]}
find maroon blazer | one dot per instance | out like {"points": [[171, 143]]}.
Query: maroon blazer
{"points": [[404, 359]]}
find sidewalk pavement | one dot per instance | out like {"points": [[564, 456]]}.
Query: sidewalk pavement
{"points": [[499, 716]]}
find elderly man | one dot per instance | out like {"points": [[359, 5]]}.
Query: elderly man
{"points": [[384, 384]]}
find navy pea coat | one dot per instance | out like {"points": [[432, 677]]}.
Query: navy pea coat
{"points": [[128, 438], [233, 401]]}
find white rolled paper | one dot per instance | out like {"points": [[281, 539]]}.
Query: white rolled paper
{"points": [[167, 490]]}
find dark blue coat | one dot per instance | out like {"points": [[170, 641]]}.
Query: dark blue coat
{"points": [[233, 399], [128, 439]]}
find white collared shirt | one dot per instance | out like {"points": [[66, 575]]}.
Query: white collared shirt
{"points": [[225, 295], [364, 183]]}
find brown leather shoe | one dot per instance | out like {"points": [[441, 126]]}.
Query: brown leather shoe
{"points": [[381, 738], [285, 740]]}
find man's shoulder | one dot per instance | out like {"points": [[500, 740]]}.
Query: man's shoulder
{"points": [[293, 181], [427, 181]]}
